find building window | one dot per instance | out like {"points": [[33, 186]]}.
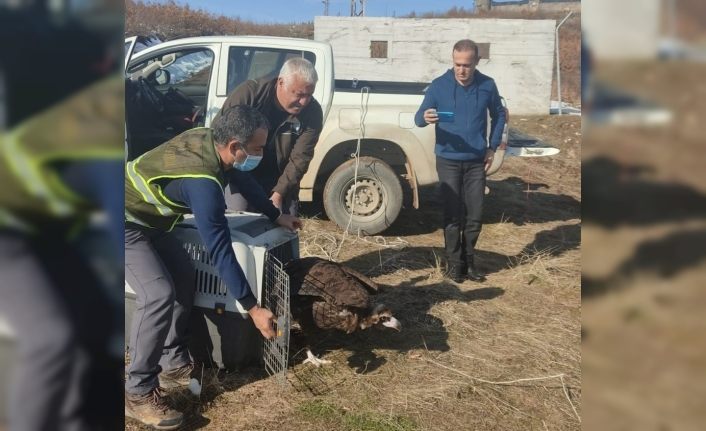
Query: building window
{"points": [[378, 49]]}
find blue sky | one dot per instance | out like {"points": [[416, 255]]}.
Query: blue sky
{"points": [[305, 10]]}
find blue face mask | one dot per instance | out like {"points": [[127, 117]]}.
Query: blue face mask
{"points": [[249, 163]]}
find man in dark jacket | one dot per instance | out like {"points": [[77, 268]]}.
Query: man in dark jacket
{"points": [[462, 152], [295, 119]]}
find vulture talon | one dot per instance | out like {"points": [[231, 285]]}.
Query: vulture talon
{"points": [[315, 361]]}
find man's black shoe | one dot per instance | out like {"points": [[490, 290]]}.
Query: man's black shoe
{"points": [[457, 274], [475, 275], [457, 278]]}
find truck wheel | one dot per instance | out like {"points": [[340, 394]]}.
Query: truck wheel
{"points": [[376, 202]]}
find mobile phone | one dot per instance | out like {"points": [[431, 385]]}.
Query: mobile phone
{"points": [[445, 117]]}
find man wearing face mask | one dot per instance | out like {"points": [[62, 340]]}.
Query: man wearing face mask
{"points": [[185, 175], [295, 120]]}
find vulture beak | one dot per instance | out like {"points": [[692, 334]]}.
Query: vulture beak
{"points": [[393, 323]]}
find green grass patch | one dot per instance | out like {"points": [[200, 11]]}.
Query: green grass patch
{"points": [[375, 422], [322, 411]]}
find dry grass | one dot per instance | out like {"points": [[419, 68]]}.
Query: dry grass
{"points": [[644, 260]]}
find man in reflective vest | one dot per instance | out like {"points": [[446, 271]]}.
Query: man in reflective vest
{"points": [[185, 175], [59, 165]]}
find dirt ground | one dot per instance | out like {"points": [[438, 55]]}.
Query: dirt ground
{"points": [[504, 354], [643, 256]]}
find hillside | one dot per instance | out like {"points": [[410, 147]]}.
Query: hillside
{"points": [[171, 21]]}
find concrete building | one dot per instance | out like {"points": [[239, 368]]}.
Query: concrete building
{"points": [[518, 54], [622, 29]]}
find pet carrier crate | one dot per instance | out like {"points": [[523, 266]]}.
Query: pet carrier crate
{"points": [[261, 249]]}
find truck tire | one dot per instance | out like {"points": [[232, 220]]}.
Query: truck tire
{"points": [[378, 196]]}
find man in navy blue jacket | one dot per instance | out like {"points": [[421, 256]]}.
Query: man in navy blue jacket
{"points": [[462, 151]]}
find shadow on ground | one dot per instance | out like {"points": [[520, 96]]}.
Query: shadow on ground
{"points": [[555, 242], [519, 202], [420, 330], [664, 257], [620, 194]]}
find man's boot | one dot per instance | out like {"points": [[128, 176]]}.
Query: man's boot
{"points": [[474, 274], [151, 409], [457, 273], [176, 378]]}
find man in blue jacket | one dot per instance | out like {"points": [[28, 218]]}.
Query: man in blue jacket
{"points": [[462, 151]]}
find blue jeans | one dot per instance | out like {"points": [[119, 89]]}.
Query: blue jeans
{"points": [[461, 190]]}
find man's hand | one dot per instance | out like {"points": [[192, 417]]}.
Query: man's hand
{"points": [[489, 155], [277, 200], [289, 221], [263, 318], [430, 116]]}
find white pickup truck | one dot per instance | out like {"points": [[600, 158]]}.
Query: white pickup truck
{"points": [[182, 84]]}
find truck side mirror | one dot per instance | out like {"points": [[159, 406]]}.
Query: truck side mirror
{"points": [[167, 60]]}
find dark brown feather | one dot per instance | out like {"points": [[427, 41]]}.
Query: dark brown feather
{"points": [[328, 316], [363, 279], [330, 281]]}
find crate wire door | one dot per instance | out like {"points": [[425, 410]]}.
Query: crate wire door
{"points": [[276, 299]]}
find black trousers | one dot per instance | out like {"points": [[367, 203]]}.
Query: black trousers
{"points": [[461, 189]]}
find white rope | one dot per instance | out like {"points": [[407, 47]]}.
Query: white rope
{"points": [[379, 241], [364, 98], [514, 382]]}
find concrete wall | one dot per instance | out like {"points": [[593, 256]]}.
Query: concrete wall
{"points": [[521, 52], [622, 29]]}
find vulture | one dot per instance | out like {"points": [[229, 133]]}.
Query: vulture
{"points": [[328, 295]]}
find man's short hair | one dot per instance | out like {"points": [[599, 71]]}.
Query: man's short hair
{"points": [[300, 67], [238, 122], [464, 45]]}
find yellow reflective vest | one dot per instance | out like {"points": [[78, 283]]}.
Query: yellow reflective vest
{"points": [[87, 126], [191, 154]]}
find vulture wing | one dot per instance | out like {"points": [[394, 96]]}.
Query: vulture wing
{"points": [[366, 282], [330, 281]]}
